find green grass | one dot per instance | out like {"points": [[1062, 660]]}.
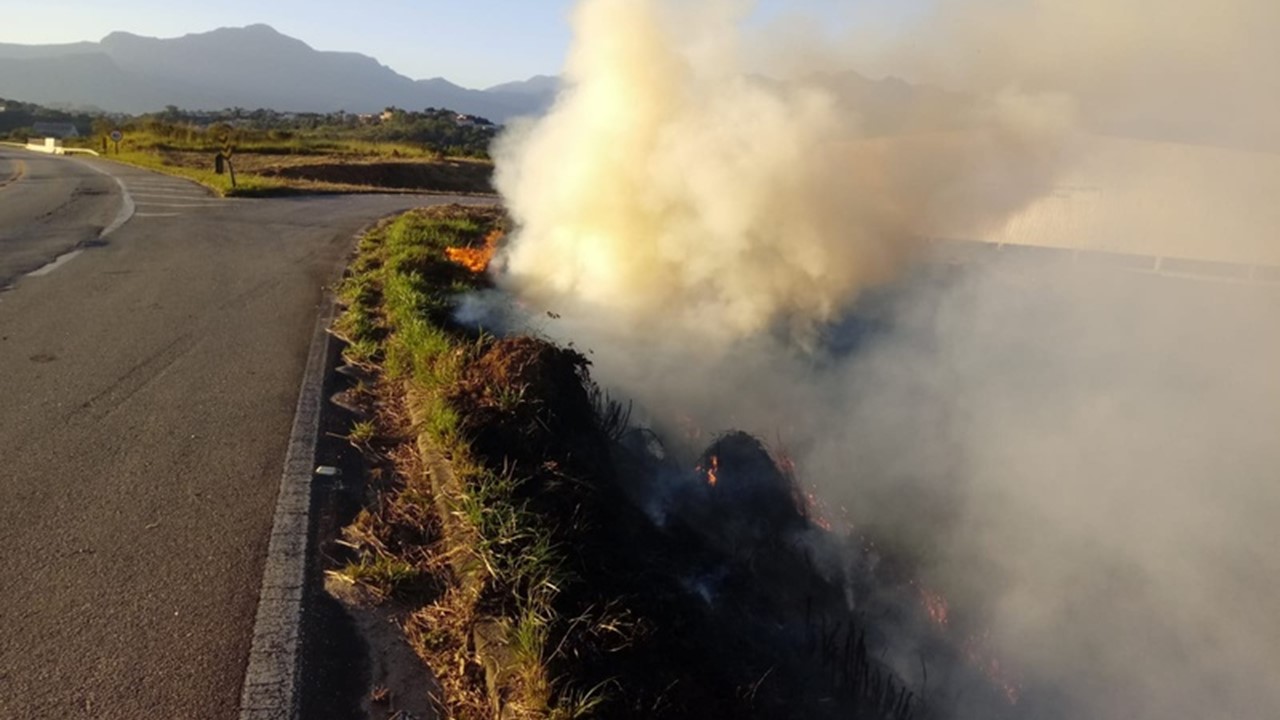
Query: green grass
{"points": [[269, 166], [381, 572], [247, 185], [362, 432], [263, 143], [398, 300], [362, 352]]}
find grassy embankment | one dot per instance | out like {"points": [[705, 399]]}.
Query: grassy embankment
{"points": [[508, 530], [459, 535], [302, 164]]}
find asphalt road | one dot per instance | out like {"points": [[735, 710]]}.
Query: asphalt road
{"points": [[47, 206], [147, 388]]}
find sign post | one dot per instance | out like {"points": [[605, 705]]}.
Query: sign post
{"points": [[224, 157], [116, 135]]}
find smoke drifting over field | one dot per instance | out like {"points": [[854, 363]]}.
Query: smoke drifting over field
{"points": [[1083, 462], [672, 190]]}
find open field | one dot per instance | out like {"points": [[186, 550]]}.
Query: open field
{"points": [[305, 165]]}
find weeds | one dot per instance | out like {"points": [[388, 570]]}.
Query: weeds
{"points": [[362, 352], [362, 433], [381, 573], [398, 298], [580, 703]]}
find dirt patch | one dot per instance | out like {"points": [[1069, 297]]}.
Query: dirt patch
{"points": [[401, 684], [444, 176]]}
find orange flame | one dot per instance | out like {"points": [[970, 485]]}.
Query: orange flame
{"points": [[476, 259], [711, 472]]}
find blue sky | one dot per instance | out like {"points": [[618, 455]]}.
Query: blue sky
{"points": [[475, 43]]}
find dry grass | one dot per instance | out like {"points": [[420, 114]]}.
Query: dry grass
{"points": [[468, 561], [261, 174]]}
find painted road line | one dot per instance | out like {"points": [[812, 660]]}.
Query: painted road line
{"points": [[126, 206], [271, 680], [180, 196], [163, 181], [155, 215], [180, 205], [58, 262], [122, 216]]}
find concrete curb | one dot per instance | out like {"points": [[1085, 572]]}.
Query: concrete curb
{"points": [[270, 690]]}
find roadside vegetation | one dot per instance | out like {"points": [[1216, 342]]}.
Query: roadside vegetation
{"points": [[508, 526], [453, 535], [434, 150]]}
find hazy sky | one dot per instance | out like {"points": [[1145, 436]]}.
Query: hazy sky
{"points": [[476, 43]]}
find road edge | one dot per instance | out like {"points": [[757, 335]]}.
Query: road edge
{"points": [[270, 690], [127, 206]]}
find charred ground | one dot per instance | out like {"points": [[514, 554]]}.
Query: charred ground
{"points": [[546, 559]]}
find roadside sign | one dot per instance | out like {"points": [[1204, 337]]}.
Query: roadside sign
{"points": [[116, 135]]}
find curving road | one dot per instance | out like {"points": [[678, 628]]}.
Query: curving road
{"points": [[49, 205], [147, 390]]}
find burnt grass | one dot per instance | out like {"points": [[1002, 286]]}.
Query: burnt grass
{"points": [[673, 596]]}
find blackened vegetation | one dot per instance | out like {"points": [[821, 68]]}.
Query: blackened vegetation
{"points": [[573, 566], [707, 606], [731, 537]]}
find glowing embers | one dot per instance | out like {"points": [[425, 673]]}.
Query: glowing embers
{"points": [[711, 471], [476, 259], [976, 648], [935, 606], [979, 654], [739, 494]]}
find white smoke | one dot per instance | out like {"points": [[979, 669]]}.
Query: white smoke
{"points": [[1085, 460], [671, 189]]}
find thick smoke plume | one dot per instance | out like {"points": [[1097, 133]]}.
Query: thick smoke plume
{"points": [[672, 189], [1082, 461]]}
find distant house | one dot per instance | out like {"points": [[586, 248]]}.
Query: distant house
{"points": [[62, 130], [470, 121]]}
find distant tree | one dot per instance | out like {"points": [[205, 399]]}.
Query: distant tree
{"points": [[102, 126]]}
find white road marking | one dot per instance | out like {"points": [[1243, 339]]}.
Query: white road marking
{"points": [[126, 207], [142, 214], [172, 195], [58, 262], [178, 205]]}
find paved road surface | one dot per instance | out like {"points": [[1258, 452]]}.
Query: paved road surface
{"points": [[146, 395], [49, 207]]}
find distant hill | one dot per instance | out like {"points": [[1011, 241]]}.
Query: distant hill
{"points": [[248, 67]]}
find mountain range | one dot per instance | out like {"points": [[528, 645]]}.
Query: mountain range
{"points": [[250, 67]]}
